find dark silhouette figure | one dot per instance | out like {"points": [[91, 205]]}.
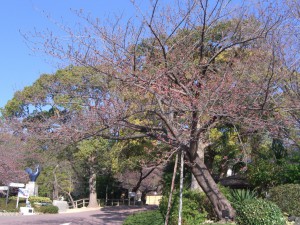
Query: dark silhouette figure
{"points": [[33, 175]]}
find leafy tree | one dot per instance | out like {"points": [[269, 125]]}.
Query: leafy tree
{"points": [[95, 154], [139, 163]]}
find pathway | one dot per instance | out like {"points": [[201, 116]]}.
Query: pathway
{"points": [[104, 216]]}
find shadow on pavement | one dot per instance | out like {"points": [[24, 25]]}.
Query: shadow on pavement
{"points": [[117, 214]]}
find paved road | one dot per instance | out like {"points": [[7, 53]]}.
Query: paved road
{"points": [[104, 216]]}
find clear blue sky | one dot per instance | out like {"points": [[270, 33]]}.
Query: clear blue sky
{"points": [[19, 67]]}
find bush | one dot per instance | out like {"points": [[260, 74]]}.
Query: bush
{"points": [[33, 199], [258, 212], [11, 206], [51, 209], [145, 218], [193, 211], [238, 196], [287, 198]]}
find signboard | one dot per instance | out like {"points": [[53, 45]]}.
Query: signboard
{"points": [[17, 185], [3, 188], [23, 193], [132, 194]]}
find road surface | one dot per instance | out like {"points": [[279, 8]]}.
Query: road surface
{"points": [[103, 216]]}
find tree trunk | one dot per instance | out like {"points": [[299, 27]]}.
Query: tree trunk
{"points": [[210, 187], [55, 185], [194, 183], [92, 188], [71, 199]]}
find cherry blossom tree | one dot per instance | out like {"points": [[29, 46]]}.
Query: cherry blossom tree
{"points": [[172, 76], [14, 156]]}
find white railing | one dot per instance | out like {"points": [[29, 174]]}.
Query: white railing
{"points": [[80, 203], [109, 202]]}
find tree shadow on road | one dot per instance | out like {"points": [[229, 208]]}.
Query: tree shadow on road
{"points": [[117, 214]]}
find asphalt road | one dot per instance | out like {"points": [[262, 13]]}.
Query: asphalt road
{"points": [[103, 216]]}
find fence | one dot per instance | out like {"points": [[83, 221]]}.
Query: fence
{"points": [[109, 202]]}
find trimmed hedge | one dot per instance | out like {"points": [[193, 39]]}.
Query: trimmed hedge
{"points": [[33, 199], [152, 217], [50, 209], [259, 212], [287, 197]]}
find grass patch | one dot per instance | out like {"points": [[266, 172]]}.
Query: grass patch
{"points": [[11, 206], [152, 217]]}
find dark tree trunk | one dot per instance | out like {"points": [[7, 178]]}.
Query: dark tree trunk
{"points": [[144, 197], [141, 178], [210, 187]]}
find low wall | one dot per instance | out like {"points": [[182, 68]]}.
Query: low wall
{"points": [[153, 199]]}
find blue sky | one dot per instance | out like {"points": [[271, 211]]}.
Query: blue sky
{"points": [[19, 66]]}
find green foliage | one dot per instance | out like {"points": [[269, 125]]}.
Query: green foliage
{"points": [[287, 198], [33, 199], [291, 169], [146, 218], [96, 146], [11, 206], [133, 154], [58, 91], [226, 149], [226, 191], [167, 178], [263, 174], [13, 198], [238, 196], [49, 209], [60, 172], [278, 149], [193, 211], [109, 183], [94, 152], [258, 212]]}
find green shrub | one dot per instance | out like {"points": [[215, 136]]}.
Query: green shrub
{"points": [[11, 206], [51, 209], [258, 212], [14, 198], [226, 191], [193, 211], [238, 196], [153, 217], [287, 198], [33, 199]]}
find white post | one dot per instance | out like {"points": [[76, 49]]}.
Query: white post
{"points": [[180, 188], [17, 202], [7, 194]]}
